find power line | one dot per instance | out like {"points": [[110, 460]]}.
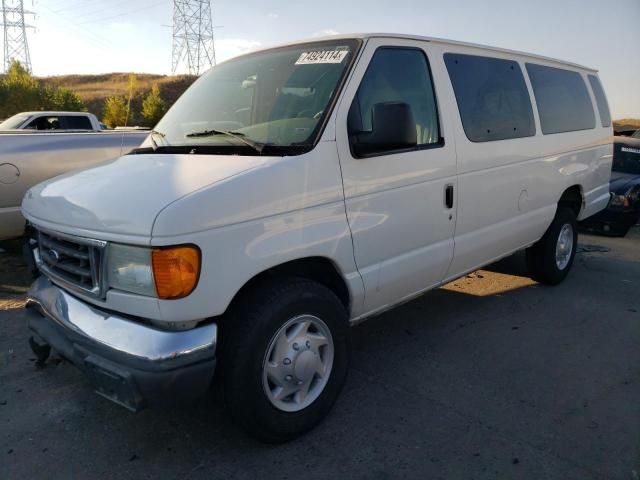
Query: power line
{"points": [[16, 46], [67, 5], [193, 42], [129, 12], [90, 7], [92, 36]]}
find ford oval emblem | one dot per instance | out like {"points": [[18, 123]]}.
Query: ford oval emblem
{"points": [[54, 256]]}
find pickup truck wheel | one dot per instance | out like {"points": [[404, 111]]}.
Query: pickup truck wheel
{"points": [[284, 357], [550, 259]]}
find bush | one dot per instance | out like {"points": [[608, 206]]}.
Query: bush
{"points": [[63, 99]]}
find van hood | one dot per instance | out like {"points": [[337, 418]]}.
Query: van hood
{"points": [[125, 195]]}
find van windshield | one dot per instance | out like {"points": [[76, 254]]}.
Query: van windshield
{"points": [[275, 98]]}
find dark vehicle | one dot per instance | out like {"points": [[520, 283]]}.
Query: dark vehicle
{"points": [[623, 210]]}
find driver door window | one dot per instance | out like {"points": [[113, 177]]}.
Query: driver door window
{"points": [[397, 75]]}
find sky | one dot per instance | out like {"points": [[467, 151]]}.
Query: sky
{"points": [[85, 36]]}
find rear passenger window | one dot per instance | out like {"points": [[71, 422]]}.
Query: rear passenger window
{"points": [[78, 123], [601, 100], [45, 123], [492, 97], [398, 75], [563, 101]]}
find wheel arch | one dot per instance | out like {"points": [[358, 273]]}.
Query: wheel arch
{"points": [[317, 268], [573, 197]]}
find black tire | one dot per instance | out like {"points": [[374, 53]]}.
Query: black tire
{"points": [[244, 339], [541, 257]]}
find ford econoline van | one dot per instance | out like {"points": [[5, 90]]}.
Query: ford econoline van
{"points": [[295, 191]]}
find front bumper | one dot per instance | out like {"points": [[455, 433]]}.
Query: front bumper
{"points": [[129, 363], [613, 220]]}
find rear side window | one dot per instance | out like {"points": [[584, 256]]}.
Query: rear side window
{"points": [[563, 101], [492, 97], [601, 100], [44, 123], [78, 123]]}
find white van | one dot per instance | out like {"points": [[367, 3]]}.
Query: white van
{"points": [[295, 191]]}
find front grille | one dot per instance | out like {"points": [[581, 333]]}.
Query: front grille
{"points": [[75, 262]]}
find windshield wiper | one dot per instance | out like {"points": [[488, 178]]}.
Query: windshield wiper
{"points": [[258, 147], [153, 142]]}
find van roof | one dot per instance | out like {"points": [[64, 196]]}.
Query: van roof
{"points": [[436, 40]]}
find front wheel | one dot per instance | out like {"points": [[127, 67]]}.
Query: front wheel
{"points": [[550, 259], [284, 358]]}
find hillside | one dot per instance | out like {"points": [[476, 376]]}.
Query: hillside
{"points": [[94, 89]]}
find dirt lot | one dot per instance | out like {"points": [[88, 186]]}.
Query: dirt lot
{"points": [[492, 376]]}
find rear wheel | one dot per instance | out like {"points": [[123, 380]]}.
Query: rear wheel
{"points": [[284, 357], [550, 259]]}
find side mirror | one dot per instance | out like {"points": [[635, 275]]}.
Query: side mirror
{"points": [[392, 128]]}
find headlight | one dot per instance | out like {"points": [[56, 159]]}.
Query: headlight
{"points": [[129, 269], [170, 272], [619, 201]]}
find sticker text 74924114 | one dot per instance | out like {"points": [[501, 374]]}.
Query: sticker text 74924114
{"points": [[321, 56]]}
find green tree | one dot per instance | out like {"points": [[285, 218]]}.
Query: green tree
{"points": [[65, 99], [20, 92], [52, 98], [115, 111], [17, 74], [153, 106]]}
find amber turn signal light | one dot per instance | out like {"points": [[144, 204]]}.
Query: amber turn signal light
{"points": [[175, 270]]}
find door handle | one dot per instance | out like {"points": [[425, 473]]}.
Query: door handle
{"points": [[448, 196]]}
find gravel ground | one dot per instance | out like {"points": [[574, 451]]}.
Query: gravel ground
{"points": [[491, 376]]}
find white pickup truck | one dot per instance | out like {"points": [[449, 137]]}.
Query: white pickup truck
{"points": [[69, 121], [295, 191]]}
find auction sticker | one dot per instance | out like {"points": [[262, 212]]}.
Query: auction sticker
{"points": [[321, 56]]}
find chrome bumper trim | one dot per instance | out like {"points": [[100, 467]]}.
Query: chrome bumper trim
{"points": [[141, 341]]}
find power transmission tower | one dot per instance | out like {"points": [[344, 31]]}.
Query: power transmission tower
{"points": [[15, 34], [193, 35]]}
